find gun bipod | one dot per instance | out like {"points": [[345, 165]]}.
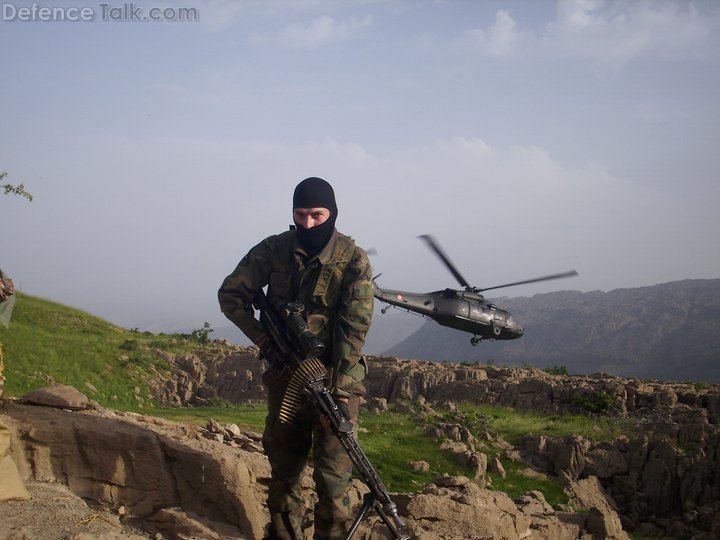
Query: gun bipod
{"points": [[369, 501]]}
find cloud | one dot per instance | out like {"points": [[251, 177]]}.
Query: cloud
{"points": [[500, 39], [507, 213], [610, 33], [617, 32], [219, 15], [115, 212], [323, 30]]}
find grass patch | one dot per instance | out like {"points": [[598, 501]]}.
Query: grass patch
{"points": [[392, 441], [246, 417], [50, 343], [513, 424], [516, 483]]}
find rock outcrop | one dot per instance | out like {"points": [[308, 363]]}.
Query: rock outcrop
{"points": [[142, 464], [667, 481], [532, 389], [173, 479], [232, 374]]}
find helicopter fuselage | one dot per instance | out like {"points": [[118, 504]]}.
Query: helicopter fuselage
{"points": [[463, 310]]}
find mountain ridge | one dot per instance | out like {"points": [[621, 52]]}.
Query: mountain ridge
{"points": [[664, 331]]}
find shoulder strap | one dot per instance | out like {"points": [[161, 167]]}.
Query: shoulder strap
{"points": [[342, 255], [344, 250]]}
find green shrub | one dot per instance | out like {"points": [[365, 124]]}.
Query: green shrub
{"points": [[201, 335], [596, 403], [556, 370]]}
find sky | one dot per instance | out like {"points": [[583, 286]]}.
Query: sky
{"points": [[528, 137]]}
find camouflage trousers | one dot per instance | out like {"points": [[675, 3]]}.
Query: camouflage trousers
{"points": [[287, 447]]}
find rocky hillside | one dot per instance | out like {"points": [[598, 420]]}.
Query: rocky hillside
{"points": [[149, 478], [661, 479], [669, 331], [665, 480]]}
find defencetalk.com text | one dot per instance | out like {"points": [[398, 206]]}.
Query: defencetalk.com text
{"points": [[127, 12]]}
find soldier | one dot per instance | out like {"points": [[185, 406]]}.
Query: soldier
{"points": [[314, 264], [11, 484], [7, 301]]}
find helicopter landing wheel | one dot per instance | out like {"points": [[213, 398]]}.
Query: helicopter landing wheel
{"points": [[474, 341], [496, 330]]}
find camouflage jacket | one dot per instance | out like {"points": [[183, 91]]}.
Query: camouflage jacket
{"points": [[335, 286]]}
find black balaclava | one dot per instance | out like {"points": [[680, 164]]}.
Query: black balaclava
{"points": [[315, 192]]}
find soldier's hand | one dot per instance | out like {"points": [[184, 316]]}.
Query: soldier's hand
{"points": [[268, 352], [342, 405]]}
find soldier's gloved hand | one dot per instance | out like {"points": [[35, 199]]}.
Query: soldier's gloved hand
{"points": [[269, 353], [342, 405]]}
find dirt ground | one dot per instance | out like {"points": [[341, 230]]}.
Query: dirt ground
{"points": [[55, 513]]}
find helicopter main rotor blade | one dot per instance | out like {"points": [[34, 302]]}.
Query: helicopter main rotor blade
{"points": [[439, 252], [544, 278]]}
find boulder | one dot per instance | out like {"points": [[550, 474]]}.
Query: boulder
{"points": [[605, 461], [603, 519], [11, 485], [496, 467], [142, 464], [377, 405], [60, 396], [568, 454], [533, 502], [419, 465], [466, 511]]}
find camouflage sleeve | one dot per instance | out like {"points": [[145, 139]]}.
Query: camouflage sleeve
{"points": [[240, 288], [352, 324]]}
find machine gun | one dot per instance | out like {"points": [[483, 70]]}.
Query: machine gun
{"points": [[299, 349]]}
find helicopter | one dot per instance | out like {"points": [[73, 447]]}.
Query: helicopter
{"points": [[465, 310]]}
